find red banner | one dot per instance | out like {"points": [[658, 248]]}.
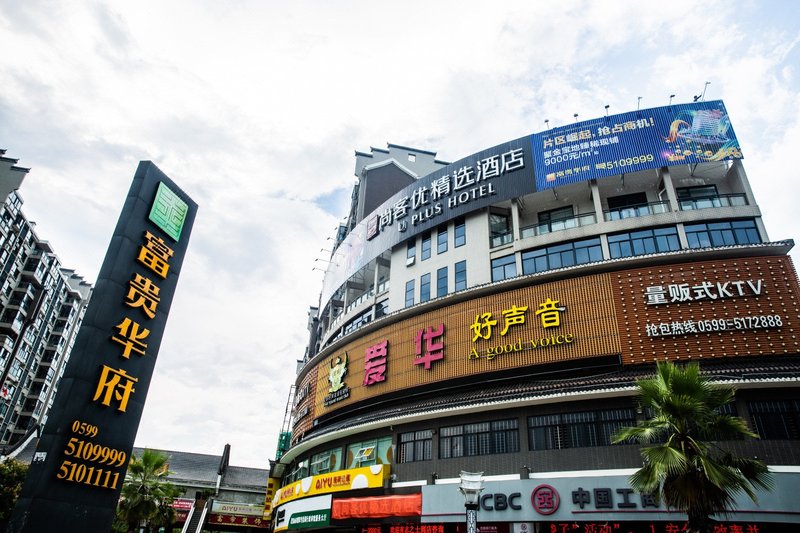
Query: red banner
{"points": [[377, 507]]}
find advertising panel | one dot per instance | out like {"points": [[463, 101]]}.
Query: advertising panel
{"points": [[547, 323], [77, 472], [367, 477], [304, 514], [738, 307], [650, 138], [245, 509]]}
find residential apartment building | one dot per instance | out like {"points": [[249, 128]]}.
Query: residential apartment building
{"points": [[41, 308]]}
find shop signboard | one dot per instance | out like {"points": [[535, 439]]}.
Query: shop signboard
{"points": [[593, 498]]}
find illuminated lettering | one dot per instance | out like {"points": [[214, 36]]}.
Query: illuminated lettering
{"points": [[116, 385], [155, 254], [549, 313], [143, 293], [130, 335]]}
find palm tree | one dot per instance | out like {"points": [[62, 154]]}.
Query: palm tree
{"points": [[682, 464], [146, 494]]}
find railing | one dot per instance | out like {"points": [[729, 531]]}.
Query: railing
{"points": [[500, 239], [361, 299], [636, 211], [721, 200], [560, 224]]}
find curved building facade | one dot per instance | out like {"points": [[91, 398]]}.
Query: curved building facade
{"points": [[493, 314]]}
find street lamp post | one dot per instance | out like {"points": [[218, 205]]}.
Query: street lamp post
{"points": [[471, 486]]}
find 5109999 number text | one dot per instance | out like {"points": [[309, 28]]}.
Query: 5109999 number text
{"points": [[89, 463]]}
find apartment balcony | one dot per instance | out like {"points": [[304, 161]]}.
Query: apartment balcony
{"points": [[499, 239], [560, 224], [11, 322], [34, 268], [720, 200], [643, 210]]}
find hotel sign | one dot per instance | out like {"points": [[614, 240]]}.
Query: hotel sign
{"points": [[86, 444], [484, 178]]}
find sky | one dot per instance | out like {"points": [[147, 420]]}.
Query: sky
{"points": [[255, 109]]}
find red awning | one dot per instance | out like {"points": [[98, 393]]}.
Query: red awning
{"points": [[377, 507]]}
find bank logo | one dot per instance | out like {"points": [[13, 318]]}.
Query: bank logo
{"points": [[545, 499]]}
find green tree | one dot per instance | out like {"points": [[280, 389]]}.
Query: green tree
{"points": [[146, 499], [682, 464], [12, 475]]}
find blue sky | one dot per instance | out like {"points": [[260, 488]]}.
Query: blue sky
{"points": [[256, 107]]}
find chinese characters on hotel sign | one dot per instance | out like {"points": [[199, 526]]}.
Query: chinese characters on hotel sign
{"points": [[85, 447]]}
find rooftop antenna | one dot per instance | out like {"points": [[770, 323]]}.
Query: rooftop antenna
{"points": [[670, 98], [638, 102], [576, 117], [607, 106], [702, 97], [547, 123]]}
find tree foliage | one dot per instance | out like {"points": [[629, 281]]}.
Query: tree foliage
{"points": [[12, 475], [147, 496], [683, 465]]}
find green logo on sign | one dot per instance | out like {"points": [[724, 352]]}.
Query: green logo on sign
{"points": [[169, 212]]}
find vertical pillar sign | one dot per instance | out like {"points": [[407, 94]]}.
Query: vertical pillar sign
{"points": [[79, 466]]}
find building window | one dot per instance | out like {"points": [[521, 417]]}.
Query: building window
{"points": [[722, 234], [424, 288], [555, 219], [416, 446], [370, 452], [776, 419], [504, 268], [299, 472], [411, 252], [461, 276], [460, 231], [561, 255], [441, 282], [483, 438], [425, 252], [698, 197], [500, 231], [327, 461], [441, 240], [627, 205], [643, 242], [412, 157], [577, 430], [409, 293]]}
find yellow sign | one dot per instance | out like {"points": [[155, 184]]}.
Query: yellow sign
{"points": [[272, 485], [367, 477]]}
